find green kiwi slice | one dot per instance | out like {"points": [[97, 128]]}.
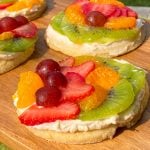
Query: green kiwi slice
{"points": [[119, 99]]}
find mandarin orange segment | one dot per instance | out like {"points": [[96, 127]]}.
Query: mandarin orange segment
{"points": [[121, 23], [29, 83], [94, 100], [103, 76], [17, 6], [21, 4], [112, 2], [74, 14], [6, 35]]}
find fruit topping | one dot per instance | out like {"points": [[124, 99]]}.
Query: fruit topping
{"points": [[3, 5], [74, 14], [113, 2], [94, 100], [121, 23], [48, 96], [105, 9], [76, 88], [6, 35], [103, 76], [8, 24], [21, 20], [119, 99], [17, 44], [22, 4], [47, 66], [37, 115], [56, 78], [83, 69], [95, 18], [28, 30], [29, 83], [69, 61]]}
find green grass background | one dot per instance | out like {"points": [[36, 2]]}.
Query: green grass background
{"points": [[136, 2], [127, 2]]}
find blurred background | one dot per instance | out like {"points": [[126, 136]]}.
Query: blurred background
{"points": [[136, 2]]}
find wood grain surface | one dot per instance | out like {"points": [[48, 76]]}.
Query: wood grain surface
{"points": [[18, 137]]}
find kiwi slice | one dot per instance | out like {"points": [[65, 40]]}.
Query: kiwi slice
{"points": [[119, 99], [56, 22], [81, 34], [17, 44], [133, 74]]}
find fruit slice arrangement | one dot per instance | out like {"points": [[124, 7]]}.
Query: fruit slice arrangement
{"points": [[17, 34], [16, 5], [85, 88], [103, 21]]}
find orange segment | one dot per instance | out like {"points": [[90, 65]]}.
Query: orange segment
{"points": [[121, 23], [94, 100], [21, 4], [112, 2], [103, 76], [29, 83], [6, 35], [74, 14]]}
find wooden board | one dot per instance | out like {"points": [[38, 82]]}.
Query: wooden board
{"points": [[18, 137]]}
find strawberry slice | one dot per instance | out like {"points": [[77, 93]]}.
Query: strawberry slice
{"points": [[69, 61], [36, 115], [76, 88], [131, 13], [28, 30], [83, 69], [124, 12], [117, 13], [3, 6], [105, 9]]}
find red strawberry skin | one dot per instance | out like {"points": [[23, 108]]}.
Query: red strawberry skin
{"points": [[37, 115], [83, 69], [28, 31], [3, 6], [76, 88]]}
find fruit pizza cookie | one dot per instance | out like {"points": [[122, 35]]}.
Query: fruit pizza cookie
{"points": [[95, 27], [17, 40], [32, 9], [81, 100]]}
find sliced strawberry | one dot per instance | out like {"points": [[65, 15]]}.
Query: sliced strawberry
{"points": [[131, 13], [28, 30], [105, 9], [67, 62], [124, 12], [117, 13], [3, 6], [87, 7], [36, 115], [76, 88], [83, 69]]}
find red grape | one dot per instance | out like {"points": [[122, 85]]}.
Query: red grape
{"points": [[95, 18], [21, 20], [8, 24], [48, 96], [56, 78], [47, 66]]}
